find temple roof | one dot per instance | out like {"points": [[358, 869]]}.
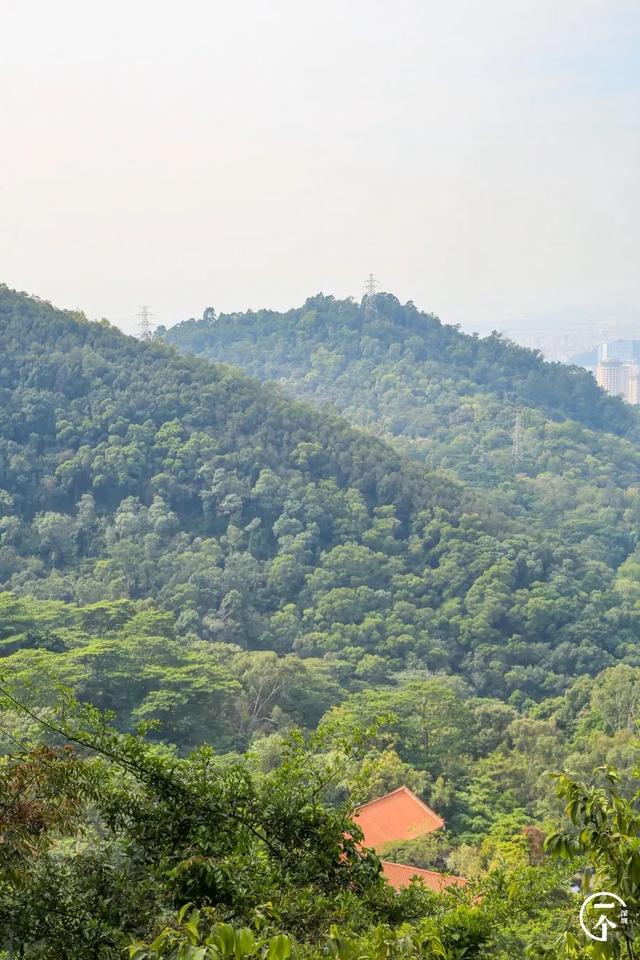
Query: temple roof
{"points": [[399, 815]]}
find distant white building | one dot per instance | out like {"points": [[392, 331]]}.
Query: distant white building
{"points": [[619, 377]]}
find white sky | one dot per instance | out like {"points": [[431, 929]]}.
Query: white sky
{"points": [[481, 158]]}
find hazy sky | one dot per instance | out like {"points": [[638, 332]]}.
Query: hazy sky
{"points": [[481, 158]]}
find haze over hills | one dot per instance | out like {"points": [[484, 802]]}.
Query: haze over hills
{"points": [[565, 336], [267, 575], [543, 438], [382, 332]]}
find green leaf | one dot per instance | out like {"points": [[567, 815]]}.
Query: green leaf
{"points": [[223, 937], [245, 943], [279, 947]]}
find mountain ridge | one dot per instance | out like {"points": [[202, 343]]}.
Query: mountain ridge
{"points": [[130, 471], [380, 315]]}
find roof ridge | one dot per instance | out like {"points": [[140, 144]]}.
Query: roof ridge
{"points": [[402, 789]]}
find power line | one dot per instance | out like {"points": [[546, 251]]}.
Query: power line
{"points": [[517, 438]]}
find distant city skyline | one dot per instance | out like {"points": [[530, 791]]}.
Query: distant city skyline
{"points": [[561, 338]]}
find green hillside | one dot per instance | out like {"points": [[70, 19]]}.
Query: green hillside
{"points": [[540, 442], [129, 471], [450, 399]]}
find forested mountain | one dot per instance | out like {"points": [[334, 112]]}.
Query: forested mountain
{"points": [[454, 401], [129, 471], [543, 444], [328, 348]]}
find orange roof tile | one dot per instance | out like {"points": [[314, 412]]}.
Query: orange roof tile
{"points": [[399, 875], [399, 815]]}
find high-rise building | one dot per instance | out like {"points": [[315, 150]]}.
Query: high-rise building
{"points": [[620, 378], [633, 387], [613, 376]]}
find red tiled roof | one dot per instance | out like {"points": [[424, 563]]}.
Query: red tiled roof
{"points": [[399, 815], [399, 875]]}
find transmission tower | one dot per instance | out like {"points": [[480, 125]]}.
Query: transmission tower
{"points": [[517, 438], [145, 326], [370, 285]]}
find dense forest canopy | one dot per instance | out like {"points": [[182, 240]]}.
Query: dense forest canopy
{"points": [[451, 399], [551, 449], [130, 471]]}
